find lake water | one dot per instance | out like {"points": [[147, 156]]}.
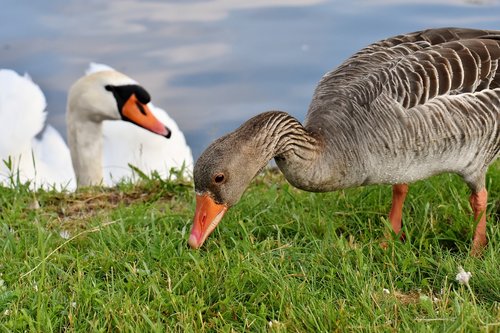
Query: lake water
{"points": [[212, 64]]}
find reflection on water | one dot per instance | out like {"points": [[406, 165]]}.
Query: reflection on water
{"points": [[212, 63]]}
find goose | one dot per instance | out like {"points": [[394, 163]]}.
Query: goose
{"points": [[98, 150], [399, 110]]}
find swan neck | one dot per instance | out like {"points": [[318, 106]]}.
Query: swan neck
{"points": [[85, 144]]}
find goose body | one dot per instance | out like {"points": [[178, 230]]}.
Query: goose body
{"points": [[99, 152], [400, 110]]}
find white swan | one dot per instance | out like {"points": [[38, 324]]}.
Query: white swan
{"points": [[45, 160], [125, 143]]}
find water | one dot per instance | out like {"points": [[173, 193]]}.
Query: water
{"points": [[212, 64]]}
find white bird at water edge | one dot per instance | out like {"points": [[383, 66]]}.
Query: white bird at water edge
{"points": [[41, 156]]}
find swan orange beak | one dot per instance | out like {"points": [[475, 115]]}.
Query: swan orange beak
{"points": [[140, 114], [206, 217]]}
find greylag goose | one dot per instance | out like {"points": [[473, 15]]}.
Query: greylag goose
{"points": [[400, 110]]}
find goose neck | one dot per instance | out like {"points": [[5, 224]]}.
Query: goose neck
{"points": [[294, 149]]}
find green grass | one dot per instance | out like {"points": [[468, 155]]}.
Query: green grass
{"points": [[282, 260]]}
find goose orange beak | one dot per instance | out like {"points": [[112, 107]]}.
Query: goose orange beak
{"points": [[140, 114], [206, 217]]}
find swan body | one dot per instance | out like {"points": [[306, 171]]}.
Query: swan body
{"points": [[125, 144], [399, 110], [100, 153]]}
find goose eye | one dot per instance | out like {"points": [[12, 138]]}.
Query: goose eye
{"points": [[219, 178]]}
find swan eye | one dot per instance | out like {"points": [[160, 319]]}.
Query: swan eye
{"points": [[219, 178]]}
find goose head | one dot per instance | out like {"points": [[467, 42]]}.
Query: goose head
{"points": [[223, 172], [221, 175], [111, 95]]}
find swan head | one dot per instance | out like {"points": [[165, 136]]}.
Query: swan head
{"points": [[111, 95]]}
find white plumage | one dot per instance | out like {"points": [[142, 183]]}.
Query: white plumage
{"points": [[43, 160], [126, 143], [41, 156]]}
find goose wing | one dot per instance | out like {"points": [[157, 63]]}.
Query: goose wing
{"points": [[411, 69], [419, 39], [451, 68]]}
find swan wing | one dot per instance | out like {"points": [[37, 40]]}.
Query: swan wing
{"points": [[37, 154], [53, 158], [22, 112], [97, 67]]}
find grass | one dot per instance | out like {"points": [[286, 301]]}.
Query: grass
{"points": [[282, 260]]}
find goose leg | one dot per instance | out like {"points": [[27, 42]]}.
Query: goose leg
{"points": [[478, 202], [399, 192]]}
